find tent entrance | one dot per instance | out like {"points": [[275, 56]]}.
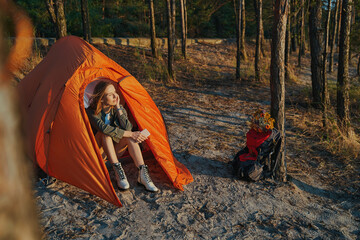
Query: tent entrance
{"points": [[89, 89]]}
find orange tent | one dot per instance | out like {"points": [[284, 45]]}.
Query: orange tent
{"points": [[58, 130]]}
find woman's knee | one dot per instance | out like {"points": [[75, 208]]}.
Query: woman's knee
{"points": [[131, 141], [105, 138]]}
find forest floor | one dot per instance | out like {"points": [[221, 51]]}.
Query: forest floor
{"points": [[206, 112]]}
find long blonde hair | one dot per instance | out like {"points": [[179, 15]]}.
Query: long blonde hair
{"points": [[97, 96]]}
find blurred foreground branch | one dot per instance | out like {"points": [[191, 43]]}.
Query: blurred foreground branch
{"points": [[18, 219]]}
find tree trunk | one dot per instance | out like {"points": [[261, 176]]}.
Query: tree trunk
{"points": [[262, 37], [325, 96], [85, 20], [51, 9], [238, 40], [302, 28], [152, 29], [186, 22], [302, 33], [326, 45], [352, 22], [316, 51], [339, 21], [243, 26], [171, 37], [334, 34], [60, 18], [293, 30], [287, 45], [103, 8], [358, 66], [57, 16], [277, 80], [293, 39], [183, 27], [173, 22], [343, 70], [258, 4], [18, 219]]}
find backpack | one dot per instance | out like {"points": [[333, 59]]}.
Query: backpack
{"points": [[264, 165]]}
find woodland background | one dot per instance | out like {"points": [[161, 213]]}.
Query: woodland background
{"points": [[319, 61]]}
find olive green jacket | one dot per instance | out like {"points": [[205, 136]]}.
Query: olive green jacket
{"points": [[117, 126]]}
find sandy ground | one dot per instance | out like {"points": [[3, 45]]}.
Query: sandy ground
{"points": [[207, 126]]}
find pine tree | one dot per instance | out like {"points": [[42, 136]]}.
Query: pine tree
{"points": [[343, 69], [183, 11], [258, 8], [57, 15], [277, 79], [316, 49], [171, 37], [85, 20], [152, 29]]}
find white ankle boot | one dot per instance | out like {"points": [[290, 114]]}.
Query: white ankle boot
{"points": [[121, 179], [145, 179]]}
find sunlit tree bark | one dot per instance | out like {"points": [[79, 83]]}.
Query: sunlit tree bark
{"points": [[171, 37], [315, 32], [277, 79], [302, 32], [237, 7], [183, 12], [258, 4], [152, 29], [293, 28], [325, 96], [243, 26], [85, 20], [333, 38], [287, 44], [343, 69], [57, 15]]}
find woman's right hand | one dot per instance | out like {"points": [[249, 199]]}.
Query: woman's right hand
{"points": [[138, 137], [117, 100]]}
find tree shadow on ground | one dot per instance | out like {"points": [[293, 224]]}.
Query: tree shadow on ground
{"points": [[204, 122], [188, 108], [198, 165], [332, 195], [203, 118], [247, 91], [62, 192]]}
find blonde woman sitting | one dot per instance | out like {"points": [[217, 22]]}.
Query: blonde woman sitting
{"points": [[112, 130]]}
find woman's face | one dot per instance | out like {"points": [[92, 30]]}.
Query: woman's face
{"points": [[110, 96]]}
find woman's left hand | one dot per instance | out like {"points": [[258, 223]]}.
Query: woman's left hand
{"points": [[138, 137]]}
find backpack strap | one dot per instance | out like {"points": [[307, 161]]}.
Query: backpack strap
{"points": [[276, 156]]}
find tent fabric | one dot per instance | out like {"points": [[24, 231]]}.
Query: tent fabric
{"points": [[58, 130]]}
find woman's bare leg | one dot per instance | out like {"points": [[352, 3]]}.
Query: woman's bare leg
{"points": [[115, 152], [120, 147], [109, 148], [136, 155], [98, 138], [108, 145], [134, 150]]}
